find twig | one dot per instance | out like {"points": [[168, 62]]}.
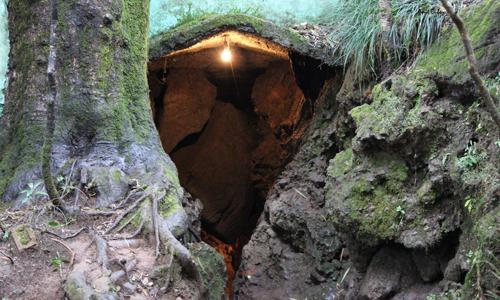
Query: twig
{"points": [[72, 253], [120, 217], [472, 62], [10, 258]]}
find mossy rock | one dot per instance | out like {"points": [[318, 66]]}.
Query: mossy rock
{"points": [[212, 269], [447, 59]]}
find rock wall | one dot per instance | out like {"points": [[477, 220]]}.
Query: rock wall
{"points": [[395, 192], [187, 104]]}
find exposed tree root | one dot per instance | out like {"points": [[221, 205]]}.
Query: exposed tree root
{"points": [[193, 232], [102, 256], [126, 223], [62, 237], [129, 195], [155, 220], [128, 210], [119, 274], [118, 262], [118, 244], [185, 258], [99, 213], [130, 236]]}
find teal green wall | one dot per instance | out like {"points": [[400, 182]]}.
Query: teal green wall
{"points": [[164, 13], [4, 50]]}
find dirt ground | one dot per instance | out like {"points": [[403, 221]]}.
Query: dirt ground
{"points": [[34, 276]]}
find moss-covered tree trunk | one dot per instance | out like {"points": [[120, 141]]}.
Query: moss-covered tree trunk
{"points": [[103, 117]]}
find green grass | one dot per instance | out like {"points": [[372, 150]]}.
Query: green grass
{"points": [[355, 32], [196, 14]]}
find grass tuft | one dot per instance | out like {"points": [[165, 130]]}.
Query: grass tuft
{"points": [[355, 33]]}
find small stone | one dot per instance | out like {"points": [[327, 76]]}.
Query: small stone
{"points": [[128, 288], [178, 298], [107, 19], [283, 183]]}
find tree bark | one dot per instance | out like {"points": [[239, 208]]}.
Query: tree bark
{"points": [[385, 9], [78, 78], [49, 131], [102, 115], [471, 57]]}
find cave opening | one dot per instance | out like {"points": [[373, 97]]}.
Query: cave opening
{"points": [[231, 126]]}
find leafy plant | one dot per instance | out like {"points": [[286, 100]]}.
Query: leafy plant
{"points": [[65, 186], [30, 193], [431, 297], [57, 261], [471, 157], [469, 255], [469, 202], [401, 212], [355, 29]]}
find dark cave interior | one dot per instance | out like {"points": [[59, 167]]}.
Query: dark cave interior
{"points": [[231, 126]]}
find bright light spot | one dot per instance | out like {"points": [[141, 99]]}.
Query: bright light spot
{"points": [[226, 55]]}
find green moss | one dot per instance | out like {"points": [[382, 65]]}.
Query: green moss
{"points": [[212, 268], [203, 27], [365, 192], [425, 193], [23, 234], [21, 153], [447, 57]]}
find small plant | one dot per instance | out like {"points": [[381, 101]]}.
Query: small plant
{"points": [[493, 83], [66, 187], [431, 297], [469, 255], [469, 202], [471, 156], [401, 212], [57, 261], [30, 193]]}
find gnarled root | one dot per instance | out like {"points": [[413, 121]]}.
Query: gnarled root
{"points": [[185, 258]]}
